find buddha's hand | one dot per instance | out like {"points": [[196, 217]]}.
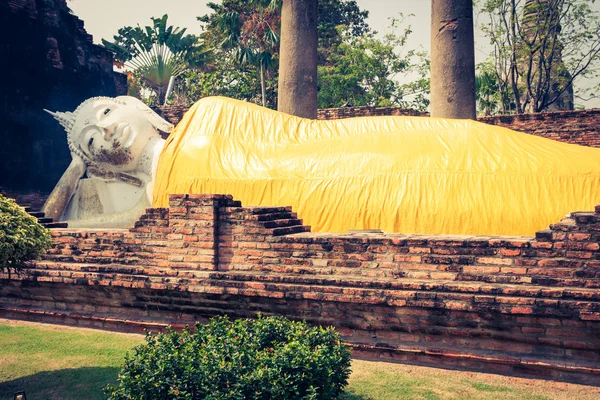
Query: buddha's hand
{"points": [[78, 164]]}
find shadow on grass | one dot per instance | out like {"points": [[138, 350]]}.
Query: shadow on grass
{"points": [[79, 383], [349, 394], [65, 384]]}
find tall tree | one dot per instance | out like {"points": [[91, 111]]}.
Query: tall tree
{"points": [[298, 60], [232, 78], [333, 14], [540, 48], [251, 31], [487, 94], [452, 59], [156, 53], [367, 70]]}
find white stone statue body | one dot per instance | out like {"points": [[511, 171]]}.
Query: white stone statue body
{"points": [[115, 147]]}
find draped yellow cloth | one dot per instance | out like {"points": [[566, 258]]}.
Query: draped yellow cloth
{"points": [[398, 174]]}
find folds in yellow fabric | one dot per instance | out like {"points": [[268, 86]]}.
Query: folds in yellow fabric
{"points": [[397, 174]]}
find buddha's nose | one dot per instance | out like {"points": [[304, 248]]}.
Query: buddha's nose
{"points": [[109, 131]]}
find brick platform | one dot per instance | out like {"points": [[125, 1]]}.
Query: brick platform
{"points": [[514, 305]]}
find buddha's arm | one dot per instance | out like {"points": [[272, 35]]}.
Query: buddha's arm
{"points": [[63, 191]]}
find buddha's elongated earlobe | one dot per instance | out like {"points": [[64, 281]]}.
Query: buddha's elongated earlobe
{"points": [[156, 120]]}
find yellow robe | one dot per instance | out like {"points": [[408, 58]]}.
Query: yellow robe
{"points": [[398, 174]]}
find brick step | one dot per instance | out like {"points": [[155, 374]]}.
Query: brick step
{"points": [[410, 294], [416, 294], [37, 214], [272, 216], [256, 210], [117, 277], [467, 301], [473, 288], [280, 223], [117, 268], [59, 258], [290, 230], [79, 267], [45, 220], [584, 217], [236, 217], [109, 322], [412, 283], [55, 225], [470, 273]]}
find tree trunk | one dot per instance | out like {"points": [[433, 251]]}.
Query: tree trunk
{"points": [[263, 85], [161, 96], [298, 60], [452, 59]]}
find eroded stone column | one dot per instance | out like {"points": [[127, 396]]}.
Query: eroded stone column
{"points": [[298, 59], [452, 59]]}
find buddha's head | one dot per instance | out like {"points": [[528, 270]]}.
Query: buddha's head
{"points": [[111, 133]]}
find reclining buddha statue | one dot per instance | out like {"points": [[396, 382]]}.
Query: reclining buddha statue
{"points": [[397, 174]]}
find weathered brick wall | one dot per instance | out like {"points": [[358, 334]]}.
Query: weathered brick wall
{"points": [[575, 127], [505, 304], [350, 112], [33, 199], [173, 114], [49, 62]]}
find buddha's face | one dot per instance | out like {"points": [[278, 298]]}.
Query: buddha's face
{"points": [[112, 133]]}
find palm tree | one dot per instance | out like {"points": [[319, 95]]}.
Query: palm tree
{"points": [[252, 32], [156, 53]]}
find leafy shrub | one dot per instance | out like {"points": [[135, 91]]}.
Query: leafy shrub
{"points": [[267, 358], [21, 237]]}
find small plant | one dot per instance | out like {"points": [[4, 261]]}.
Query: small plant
{"points": [[266, 358], [22, 239]]}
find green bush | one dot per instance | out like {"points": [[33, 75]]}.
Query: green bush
{"points": [[267, 358], [21, 237]]}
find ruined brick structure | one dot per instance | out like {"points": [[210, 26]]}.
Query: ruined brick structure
{"points": [[48, 61], [499, 304], [575, 127]]}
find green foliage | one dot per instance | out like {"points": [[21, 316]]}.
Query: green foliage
{"points": [[21, 237], [487, 95], [248, 34], [245, 39], [333, 14], [158, 52], [365, 71], [227, 79], [267, 358], [354, 67]]}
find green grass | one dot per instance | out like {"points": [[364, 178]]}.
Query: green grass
{"points": [[53, 362], [386, 381]]}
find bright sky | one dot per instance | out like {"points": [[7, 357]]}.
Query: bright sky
{"points": [[103, 19]]}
